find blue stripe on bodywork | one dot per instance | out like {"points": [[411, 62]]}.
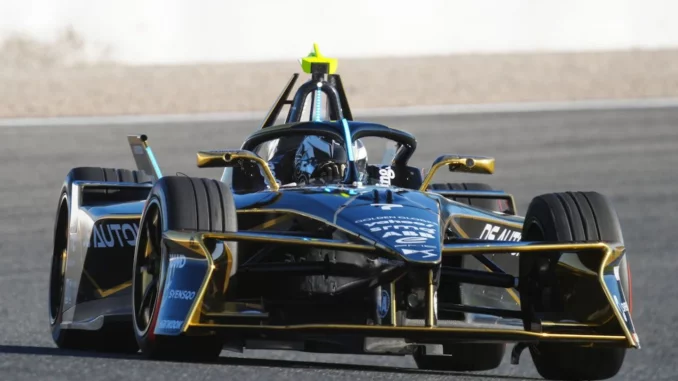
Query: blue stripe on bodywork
{"points": [[349, 141], [151, 157], [318, 103]]}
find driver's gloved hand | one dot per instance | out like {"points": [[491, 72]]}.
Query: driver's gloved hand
{"points": [[328, 172]]}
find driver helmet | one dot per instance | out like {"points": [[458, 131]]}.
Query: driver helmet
{"points": [[323, 160]]}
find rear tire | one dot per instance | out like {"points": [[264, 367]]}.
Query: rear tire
{"points": [[471, 356], [582, 217], [489, 204], [116, 337], [175, 203]]}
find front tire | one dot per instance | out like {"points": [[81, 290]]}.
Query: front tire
{"points": [[582, 217], [175, 203]]}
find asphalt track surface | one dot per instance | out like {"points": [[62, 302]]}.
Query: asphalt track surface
{"points": [[631, 155]]}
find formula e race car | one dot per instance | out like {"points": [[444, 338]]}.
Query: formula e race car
{"points": [[304, 244]]}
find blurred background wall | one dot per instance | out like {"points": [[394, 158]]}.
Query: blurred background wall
{"points": [[182, 31], [95, 57]]}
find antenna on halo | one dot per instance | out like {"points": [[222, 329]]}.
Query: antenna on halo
{"points": [[318, 65]]}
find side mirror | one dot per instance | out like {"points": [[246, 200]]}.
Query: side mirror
{"points": [[469, 164], [232, 158]]}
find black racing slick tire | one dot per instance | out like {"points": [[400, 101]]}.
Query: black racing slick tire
{"points": [[489, 204], [581, 217], [116, 337], [175, 203], [466, 356]]}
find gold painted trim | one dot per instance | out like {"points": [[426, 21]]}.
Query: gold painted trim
{"points": [[555, 324], [385, 328], [107, 292], [114, 217], [494, 247], [394, 315], [272, 222], [189, 241], [118, 217], [510, 291], [207, 159], [607, 259], [473, 164], [281, 239], [234, 315], [193, 316], [430, 313], [229, 267], [186, 240]]}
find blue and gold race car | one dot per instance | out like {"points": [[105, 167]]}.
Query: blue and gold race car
{"points": [[305, 243]]}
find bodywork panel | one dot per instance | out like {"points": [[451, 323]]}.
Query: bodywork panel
{"points": [[375, 239], [102, 238]]}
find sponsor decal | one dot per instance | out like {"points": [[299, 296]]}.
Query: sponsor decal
{"points": [[405, 231], [623, 307], [170, 324], [384, 304], [107, 235], [386, 174], [429, 253], [412, 240], [500, 233], [177, 261], [375, 224], [181, 294], [387, 206]]}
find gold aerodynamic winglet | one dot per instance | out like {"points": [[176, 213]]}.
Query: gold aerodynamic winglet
{"points": [[316, 57]]}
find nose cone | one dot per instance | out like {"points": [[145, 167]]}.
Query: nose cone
{"points": [[407, 228]]}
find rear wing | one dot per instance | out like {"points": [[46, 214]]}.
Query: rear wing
{"points": [[143, 156]]}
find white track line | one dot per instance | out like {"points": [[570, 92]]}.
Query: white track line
{"points": [[612, 104]]}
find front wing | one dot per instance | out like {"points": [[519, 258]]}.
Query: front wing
{"points": [[594, 312]]}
